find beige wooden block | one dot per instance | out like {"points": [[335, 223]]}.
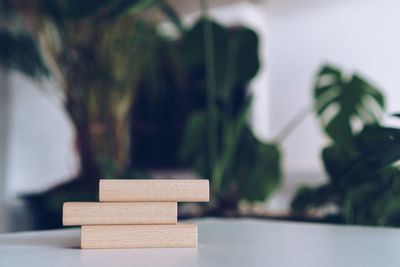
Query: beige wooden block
{"points": [[99, 213], [139, 236], [154, 190]]}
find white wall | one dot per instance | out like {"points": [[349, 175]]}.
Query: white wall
{"points": [[40, 150]]}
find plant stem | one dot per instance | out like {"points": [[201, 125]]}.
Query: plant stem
{"points": [[211, 98], [293, 123]]}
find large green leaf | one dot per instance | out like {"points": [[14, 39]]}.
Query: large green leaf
{"points": [[376, 148], [340, 100], [243, 165], [380, 146], [235, 57], [336, 160]]}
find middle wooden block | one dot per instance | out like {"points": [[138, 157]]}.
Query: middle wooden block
{"points": [[103, 213]]}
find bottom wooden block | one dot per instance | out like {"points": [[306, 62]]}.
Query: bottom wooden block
{"points": [[139, 236]]}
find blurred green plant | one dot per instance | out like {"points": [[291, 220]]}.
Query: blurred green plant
{"points": [[364, 184], [218, 140], [209, 76], [117, 72], [125, 85], [98, 52]]}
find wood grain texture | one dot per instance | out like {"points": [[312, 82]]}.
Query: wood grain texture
{"points": [[139, 236], [99, 213], [154, 190]]}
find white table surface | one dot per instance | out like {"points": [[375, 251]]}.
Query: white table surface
{"points": [[222, 242]]}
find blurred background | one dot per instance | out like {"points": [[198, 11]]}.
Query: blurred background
{"points": [[290, 108]]}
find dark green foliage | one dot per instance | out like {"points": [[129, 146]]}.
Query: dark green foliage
{"points": [[112, 63], [62, 10], [245, 167], [81, 9], [363, 182], [98, 51], [20, 52], [249, 169], [160, 109], [75, 9], [235, 58]]}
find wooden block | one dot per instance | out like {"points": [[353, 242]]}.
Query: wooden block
{"points": [[154, 190], [139, 236], [81, 213]]}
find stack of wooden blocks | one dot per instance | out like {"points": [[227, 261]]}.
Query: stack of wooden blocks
{"points": [[137, 214]]}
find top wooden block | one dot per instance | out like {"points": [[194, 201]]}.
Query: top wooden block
{"points": [[154, 190]]}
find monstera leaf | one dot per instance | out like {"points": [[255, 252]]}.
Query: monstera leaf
{"points": [[340, 101], [362, 165]]}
